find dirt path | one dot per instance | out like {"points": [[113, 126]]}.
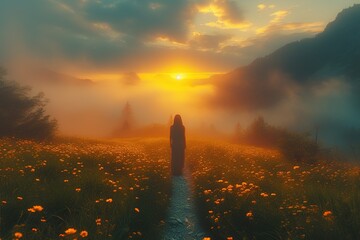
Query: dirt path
{"points": [[182, 222]]}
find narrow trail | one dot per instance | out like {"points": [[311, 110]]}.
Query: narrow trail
{"points": [[182, 222]]}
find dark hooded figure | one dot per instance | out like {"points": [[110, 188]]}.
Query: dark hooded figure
{"points": [[178, 145]]}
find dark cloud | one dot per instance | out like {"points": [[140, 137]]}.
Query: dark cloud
{"points": [[145, 19], [51, 30], [231, 11]]}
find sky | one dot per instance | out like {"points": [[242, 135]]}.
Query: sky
{"points": [[95, 37], [153, 54]]}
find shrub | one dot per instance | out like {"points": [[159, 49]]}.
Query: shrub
{"points": [[298, 147], [260, 133], [294, 146]]}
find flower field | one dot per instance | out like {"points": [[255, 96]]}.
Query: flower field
{"points": [[84, 189], [250, 193]]}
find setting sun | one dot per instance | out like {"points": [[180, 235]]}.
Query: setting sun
{"points": [[179, 76]]}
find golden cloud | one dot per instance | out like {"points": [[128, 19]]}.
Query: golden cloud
{"points": [[228, 25], [227, 13], [278, 16], [261, 6]]}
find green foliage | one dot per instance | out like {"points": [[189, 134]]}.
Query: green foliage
{"points": [[22, 115]]}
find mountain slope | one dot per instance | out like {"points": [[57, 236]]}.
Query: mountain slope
{"points": [[334, 53]]}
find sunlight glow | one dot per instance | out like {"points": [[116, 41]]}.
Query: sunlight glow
{"points": [[179, 77]]}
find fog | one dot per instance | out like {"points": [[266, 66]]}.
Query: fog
{"points": [[93, 107]]}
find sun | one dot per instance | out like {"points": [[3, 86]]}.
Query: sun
{"points": [[179, 77]]}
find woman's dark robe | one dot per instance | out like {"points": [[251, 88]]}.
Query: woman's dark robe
{"points": [[178, 145]]}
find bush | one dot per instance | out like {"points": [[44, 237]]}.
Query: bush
{"points": [[294, 146], [298, 147], [22, 115], [260, 133]]}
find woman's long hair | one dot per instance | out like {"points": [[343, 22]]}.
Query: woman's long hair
{"points": [[177, 121]]}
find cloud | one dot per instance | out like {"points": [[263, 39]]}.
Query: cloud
{"points": [[226, 25], [261, 6], [78, 36], [145, 19], [277, 24], [278, 16], [208, 42], [87, 36], [315, 27], [227, 12]]}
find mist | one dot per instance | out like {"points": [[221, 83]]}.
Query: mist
{"points": [[84, 107]]}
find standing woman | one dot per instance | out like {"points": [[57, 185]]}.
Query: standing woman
{"points": [[178, 145]]}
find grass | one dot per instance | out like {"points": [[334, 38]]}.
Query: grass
{"points": [[121, 190], [245, 192], [106, 190]]}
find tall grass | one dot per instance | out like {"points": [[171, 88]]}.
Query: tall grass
{"points": [[105, 190], [121, 190], [252, 193]]}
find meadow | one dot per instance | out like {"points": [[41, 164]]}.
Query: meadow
{"points": [[244, 192], [120, 189], [83, 189]]}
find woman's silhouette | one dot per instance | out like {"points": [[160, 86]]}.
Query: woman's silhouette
{"points": [[178, 145]]}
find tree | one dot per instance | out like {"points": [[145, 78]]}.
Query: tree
{"points": [[127, 122], [238, 132], [260, 133], [22, 115], [127, 119]]}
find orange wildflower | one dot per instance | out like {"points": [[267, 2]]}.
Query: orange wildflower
{"points": [[18, 235], [249, 214], [327, 213], [70, 231], [84, 234]]}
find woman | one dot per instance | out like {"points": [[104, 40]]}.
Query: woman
{"points": [[178, 145]]}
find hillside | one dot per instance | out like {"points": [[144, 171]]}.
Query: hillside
{"points": [[334, 53]]}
